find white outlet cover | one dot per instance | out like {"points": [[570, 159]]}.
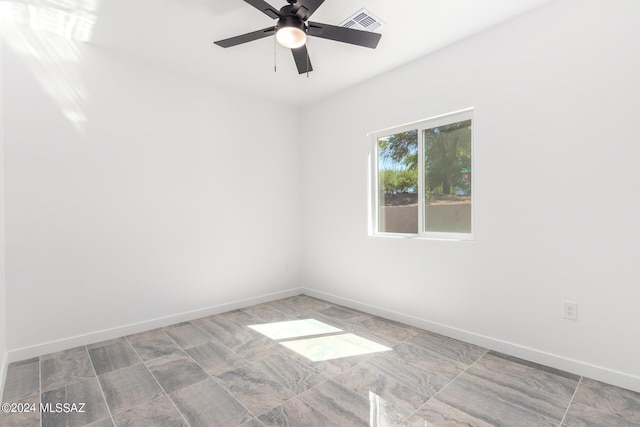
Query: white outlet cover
{"points": [[570, 310]]}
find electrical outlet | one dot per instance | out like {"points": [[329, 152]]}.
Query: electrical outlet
{"points": [[570, 310]]}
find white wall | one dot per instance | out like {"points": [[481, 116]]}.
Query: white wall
{"points": [[3, 301], [133, 194], [556, 169]]}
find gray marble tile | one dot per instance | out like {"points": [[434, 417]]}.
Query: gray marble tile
{"points": [[65, 367], [527, 387], [343, 406], [107, 342], [84, 400], [610, 399], [444, 347], [531, 375], [334, 367], [425, 359], [215, 358], [22, 380], [300, 304], [254, 389], [393, 331], [307, 303], [187, 335], [457, 405], [376, 389], [584, 416], [105, 422], [266, 313], [253, 349], [24, 418], [207, 404], [310, 303], [537, 366], [176, 371], [226, 332], [396, 399], [344, 313], [424, 382], [129, 387], [152, 344], [239, 317], [159, 412], [254, 422], [373, 336], [24, 361], [294, 413], [291, 373], [343, 325], [113, 356]]}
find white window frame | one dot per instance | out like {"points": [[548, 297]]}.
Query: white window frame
{"points": [[420, 126]]}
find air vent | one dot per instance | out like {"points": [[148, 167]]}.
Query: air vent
{"points": [[363, 20]]}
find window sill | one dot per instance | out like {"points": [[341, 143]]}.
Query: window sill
{"points": [[465, 238]]}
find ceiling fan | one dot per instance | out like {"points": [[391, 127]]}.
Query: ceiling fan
{"points": [[292, 29]]}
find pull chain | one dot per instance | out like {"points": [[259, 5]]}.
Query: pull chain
{"points": [[275, 63]]}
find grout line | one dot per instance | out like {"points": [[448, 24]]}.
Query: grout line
{"points": [[448, 384], [492, 395], [215, 341], [508, 402], [487, 393], [570, 402], [220, 343], [328, 415], [296, 395], [232, 396], [104, 398], [347, 329], [156, 380], [205, 371]]}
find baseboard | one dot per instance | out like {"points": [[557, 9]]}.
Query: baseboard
{"points": [[4, 364], [577, 367], [95, 337], [610, 376]]}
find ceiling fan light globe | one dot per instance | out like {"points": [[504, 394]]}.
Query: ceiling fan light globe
{"points": [[291, 37]]}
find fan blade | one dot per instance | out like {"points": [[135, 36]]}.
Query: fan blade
{"points": [[265, 8], [249, 37], [301, 56], [344, 35], [303, 9]]}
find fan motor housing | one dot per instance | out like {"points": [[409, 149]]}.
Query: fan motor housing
{"points": [[291, 21]]}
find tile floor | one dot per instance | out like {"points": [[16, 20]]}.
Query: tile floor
{"points": [[217, 371]]}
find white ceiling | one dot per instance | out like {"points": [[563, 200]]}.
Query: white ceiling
{"points": [[179, 34]]}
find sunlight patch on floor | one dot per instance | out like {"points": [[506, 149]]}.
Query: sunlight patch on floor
{"points": [[334, 347], [294, 328]]}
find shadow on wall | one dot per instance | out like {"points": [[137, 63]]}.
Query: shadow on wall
{"points": [[46, 34]]}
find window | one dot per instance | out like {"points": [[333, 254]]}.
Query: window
{"points": [[422, 178]]}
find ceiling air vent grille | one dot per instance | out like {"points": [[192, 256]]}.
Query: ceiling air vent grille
{"points": [[363, 20]]}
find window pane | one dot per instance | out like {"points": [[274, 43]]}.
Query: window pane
{"points": [[447, 178], [398, 183]]}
